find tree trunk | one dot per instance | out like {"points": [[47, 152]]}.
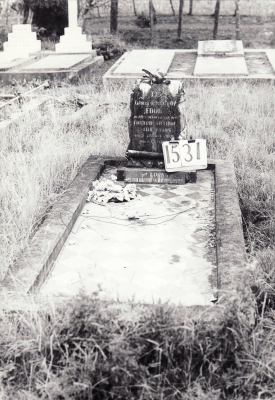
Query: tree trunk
{"points": [[151, 14], [173, 10], [216, 21], [238, 32], [135, 11], [113, 16], [30, 17], [26, 10], [180, 18], [190, 7]]}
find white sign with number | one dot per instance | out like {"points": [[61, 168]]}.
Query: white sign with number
{"points": [[185, 155]]}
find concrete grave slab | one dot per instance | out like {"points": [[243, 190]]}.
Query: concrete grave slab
{"points": [[259, 68], [5, 65], [63, 61], [154, 257], [146, 59], [220, 66], [271, 57]]}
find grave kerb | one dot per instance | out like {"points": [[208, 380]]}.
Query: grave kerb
{"points": [[36, 262]]}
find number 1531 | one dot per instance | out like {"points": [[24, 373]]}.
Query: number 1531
{"points": [[185, 155]]}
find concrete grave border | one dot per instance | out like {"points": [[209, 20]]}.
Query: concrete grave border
{"points": [[110, 78], [37, 261]]}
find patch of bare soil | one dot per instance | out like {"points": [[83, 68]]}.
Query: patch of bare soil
{"points": [[184, 63], [258, 63]]}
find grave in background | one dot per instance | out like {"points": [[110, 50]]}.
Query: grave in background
{"points": [[23, 59], [220, 59], [21, 43]]}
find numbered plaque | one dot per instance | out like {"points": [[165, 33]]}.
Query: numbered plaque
{"points": [[185, 155]]}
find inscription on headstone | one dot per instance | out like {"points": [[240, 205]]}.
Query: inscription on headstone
{"points": [[225, 46], [157, 115]]}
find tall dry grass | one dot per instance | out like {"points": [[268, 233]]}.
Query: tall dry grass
{"points": [[41, 154]]}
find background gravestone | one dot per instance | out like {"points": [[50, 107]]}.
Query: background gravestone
{"points": [[157, 115]]}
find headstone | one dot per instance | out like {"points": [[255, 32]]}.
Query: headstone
{"points": [[231, 48], [73, 41], [157, 115], [21, 42]]}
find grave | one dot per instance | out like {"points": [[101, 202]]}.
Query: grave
{"points": [[73, 58], [172, 240], [213, 60], [220, 57]]}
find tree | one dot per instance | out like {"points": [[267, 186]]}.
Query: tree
{"points": [[190, 7], [87, 6], [173, 11], [51, 15], [238, 33], [152, 13], [113, 16], [180, 18], [216, 19], [134, 5]]}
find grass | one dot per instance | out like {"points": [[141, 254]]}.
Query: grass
{"points": [[86, 349], [41, 155], [91, 350]]}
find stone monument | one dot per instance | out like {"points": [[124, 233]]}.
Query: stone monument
{"points": [[157, 115], [73, 41], [21, 42]]}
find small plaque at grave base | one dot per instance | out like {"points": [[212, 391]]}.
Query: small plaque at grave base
{"points": [[155, 176]]}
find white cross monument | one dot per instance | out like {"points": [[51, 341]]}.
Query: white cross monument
{"points": [[73, 41]]}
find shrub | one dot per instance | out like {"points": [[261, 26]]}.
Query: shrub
{"points": [[143, 21]]}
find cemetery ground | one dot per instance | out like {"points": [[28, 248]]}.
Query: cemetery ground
{"points": [[256, 32], [89, 349]]}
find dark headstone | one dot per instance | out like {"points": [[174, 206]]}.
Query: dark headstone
{"points": [[156, 115]]}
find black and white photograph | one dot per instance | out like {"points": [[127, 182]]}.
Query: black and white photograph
{"points": [[137, 199]]}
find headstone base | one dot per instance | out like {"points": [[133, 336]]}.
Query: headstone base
{"points": [[154, 175], [73, 42]]}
